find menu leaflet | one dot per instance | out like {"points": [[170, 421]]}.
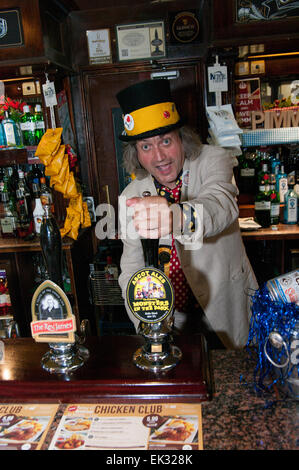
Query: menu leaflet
{"points": [[129, 427], [24, 427]]}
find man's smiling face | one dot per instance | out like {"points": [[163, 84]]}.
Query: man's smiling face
{"points": [[162, 156]]}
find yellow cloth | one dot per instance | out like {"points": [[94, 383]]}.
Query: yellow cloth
{"points": [[48, 145], [56, 162]]}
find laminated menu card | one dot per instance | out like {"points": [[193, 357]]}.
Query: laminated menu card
{"points": [[129, 426], [25, 426]]}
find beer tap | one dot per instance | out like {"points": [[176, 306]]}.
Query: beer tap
{"points": [[158, 354]]}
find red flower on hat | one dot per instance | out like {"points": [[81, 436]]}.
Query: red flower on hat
{"points": [[166, 114]]}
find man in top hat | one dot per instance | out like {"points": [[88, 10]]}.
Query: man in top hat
{"points": [[192, 207]]}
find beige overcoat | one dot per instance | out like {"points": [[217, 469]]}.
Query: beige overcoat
{"points": [[214, 260]]}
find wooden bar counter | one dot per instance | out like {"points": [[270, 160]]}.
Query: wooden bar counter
{"points": [[109, 372], [282, 232]]}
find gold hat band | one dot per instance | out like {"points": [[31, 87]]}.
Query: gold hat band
{"points": [[150, 118]]}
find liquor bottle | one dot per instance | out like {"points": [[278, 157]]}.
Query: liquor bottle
{"points": [[45, 192], [39, 123], [12, 131], [111, 270], [262, 207], [38, 214], [282, 183], [263, 176], [27, 127], [24, 226], [22, 185], [275, 164], [35, 188], [13, 180], [247, 173], [291, 173], [51, 245], [275, 205], [8, 218], [3, 141], [290, 213]]}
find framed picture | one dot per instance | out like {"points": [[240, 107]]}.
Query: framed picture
{"points": [[257, 67], [99, 46], [11, 31], [139, 41], [242, 68], [261, 10]]}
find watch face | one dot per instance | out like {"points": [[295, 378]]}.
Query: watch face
{"points": [[150, 295]]}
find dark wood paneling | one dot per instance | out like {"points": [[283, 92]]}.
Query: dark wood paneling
{"points": [[33, 36], [227, 32], [108, 17]]}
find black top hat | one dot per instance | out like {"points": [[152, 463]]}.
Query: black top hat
{"points": [[148, 110]]}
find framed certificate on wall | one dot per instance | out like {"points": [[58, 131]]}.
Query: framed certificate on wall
{"points": [[141, 41], [99, 47]]}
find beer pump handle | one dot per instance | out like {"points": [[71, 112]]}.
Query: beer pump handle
{"points": [[150, 246]]}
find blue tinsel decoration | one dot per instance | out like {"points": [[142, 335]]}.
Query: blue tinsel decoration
{"points": [[268, 317]]}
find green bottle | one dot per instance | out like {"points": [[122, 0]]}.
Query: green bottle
{"points": [[262, 206], [27, 127], [39, 123]]}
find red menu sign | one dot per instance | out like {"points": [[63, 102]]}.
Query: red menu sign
{"points": [[248, 99]]}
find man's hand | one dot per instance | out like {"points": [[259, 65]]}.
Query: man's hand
{"points": [[152, 217]]}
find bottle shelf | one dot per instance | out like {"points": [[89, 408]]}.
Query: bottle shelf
{"points": [[283, 135], [17, 156]]}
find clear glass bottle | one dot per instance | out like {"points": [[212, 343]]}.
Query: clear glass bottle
{"points": [[38, 214], [28, 127], [290, 213], [12, 131], [282, 183], [22, 185], [262, 207], [7, 218]]}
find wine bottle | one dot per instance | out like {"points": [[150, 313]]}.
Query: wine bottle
{"points": [[51, 246]]}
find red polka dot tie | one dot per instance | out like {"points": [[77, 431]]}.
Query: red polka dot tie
{"points": [[181, 287]]}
